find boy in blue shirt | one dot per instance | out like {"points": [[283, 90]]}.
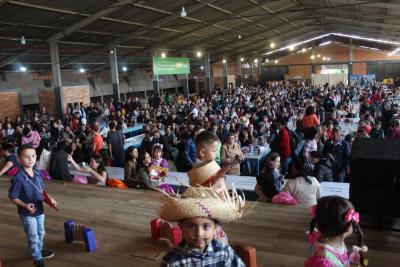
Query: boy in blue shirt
{"points": [[198, 211], [26, 192]]}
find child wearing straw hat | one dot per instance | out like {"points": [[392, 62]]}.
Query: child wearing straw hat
{"points": [[198, 211]]}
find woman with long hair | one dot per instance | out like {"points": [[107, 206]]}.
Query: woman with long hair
{"points": [[269, 181], [96, 169]]}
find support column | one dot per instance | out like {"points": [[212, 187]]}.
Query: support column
{"points": [[56, 75], [114, 73], [225, 71], [314, 59], [350, 65], [259, 69], [238, 71], [156, 82], [186, 80], [251, 70], [207, 73]]}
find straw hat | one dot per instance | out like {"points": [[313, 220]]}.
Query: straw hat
{"points": [[202, 202], [205, 173]]}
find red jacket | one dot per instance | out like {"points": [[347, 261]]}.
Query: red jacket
{"points": [[282, 142]]}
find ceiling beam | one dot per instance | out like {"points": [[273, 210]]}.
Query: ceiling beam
{"points": [[260, 50], [205, 25], [3, 2], [155, 24], [250, 36], [158, 23], [264, 43], [72, 28]]}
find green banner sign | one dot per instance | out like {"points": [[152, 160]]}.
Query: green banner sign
{"points": [[170, 65]]}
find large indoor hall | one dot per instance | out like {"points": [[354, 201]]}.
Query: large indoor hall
{"points": [[199, 133]]}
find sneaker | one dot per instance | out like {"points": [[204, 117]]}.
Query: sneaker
{"points": [[38, 263], [46, 254]]}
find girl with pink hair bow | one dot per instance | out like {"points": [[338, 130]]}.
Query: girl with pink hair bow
{"points": [[334, 220]]}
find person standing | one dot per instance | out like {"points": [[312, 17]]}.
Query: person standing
{"points": [[115, 142], [231, 155], [26, 192]]}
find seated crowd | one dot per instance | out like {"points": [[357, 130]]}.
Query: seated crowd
{"points": [[302, 125]]}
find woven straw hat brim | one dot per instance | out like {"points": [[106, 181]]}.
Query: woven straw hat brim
{"points": [[199, 174], [180, 209], [202, 202]]}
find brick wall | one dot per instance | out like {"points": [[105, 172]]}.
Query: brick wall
{"points": [[9, 105], [360, 68], [73, 94], [47, 99], [302, 70]]}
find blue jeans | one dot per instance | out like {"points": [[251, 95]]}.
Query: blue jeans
{"points": [[34, 229]]}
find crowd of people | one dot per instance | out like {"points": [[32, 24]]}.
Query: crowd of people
{"points": [[205, 136], [301, 124]]}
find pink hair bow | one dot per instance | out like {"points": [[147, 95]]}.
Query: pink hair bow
{"points": [[313, 210], [352, 215]]}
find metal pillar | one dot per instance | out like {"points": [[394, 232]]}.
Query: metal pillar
{"points": [[156, 81], [238, 71], [314, 59], [251, 70], [350, 65], [259, 64], [56, 75], [185, 81], [207, 73], [225, 72], [114, 73]]}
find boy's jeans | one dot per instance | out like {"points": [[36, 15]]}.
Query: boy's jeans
{"points": [[34, 229]]}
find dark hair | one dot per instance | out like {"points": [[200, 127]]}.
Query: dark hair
{"points": [[112, 125], [310, 133], [128, 155], [302, 170], [26, 131], [61, 145], [23, 148], [205, 139], [309, 110], [141, 159], [8, 147], [315, 154], [99, 159], [329, 219]]}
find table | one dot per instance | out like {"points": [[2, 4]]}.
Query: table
{"points": [[349, 127], [113, 172], [135, 141], [245, 183], [134, 130], [256, 159]]}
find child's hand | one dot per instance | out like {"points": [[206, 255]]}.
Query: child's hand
{"points": [[69, 157], [30, 207], [54, 202]]}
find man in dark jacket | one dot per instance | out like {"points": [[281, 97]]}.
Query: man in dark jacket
{"points": [[323, 166], [341, 151], [59, 164]]}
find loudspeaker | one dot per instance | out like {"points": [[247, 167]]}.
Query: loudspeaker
{"points": [[375, 177]]}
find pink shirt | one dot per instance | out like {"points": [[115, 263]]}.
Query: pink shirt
{"points": [[33, 139]]}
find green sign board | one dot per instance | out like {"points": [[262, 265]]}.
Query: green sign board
{"points": [[170, 65]]}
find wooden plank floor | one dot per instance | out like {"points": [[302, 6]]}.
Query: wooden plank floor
{"points": [[120, 219]]}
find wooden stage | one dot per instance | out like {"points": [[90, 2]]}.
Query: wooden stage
{"points": [[120, 220]]}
